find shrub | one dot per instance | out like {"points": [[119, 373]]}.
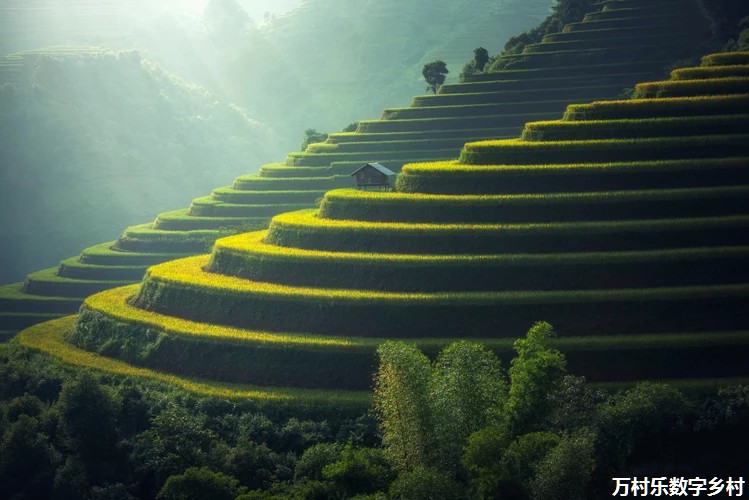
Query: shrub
{"points": [[359, 471], [565, 473], [314, 459], [426, 484], [198, 483]]}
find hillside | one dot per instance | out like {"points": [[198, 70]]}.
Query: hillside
{"points": [[93, 140], [327, 63], [323, 64], [622, 224], [432, 128]]}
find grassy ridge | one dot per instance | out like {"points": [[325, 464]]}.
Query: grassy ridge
{"points": [[73, 268], [726, 58], [247, 256], [490, 121], [233, 217], [663, 107], [104, 255], [199, 349], [144, 238], [509, 82], [545, 207], [255, 183], [231, 195], [12, 298], [703, 72], [454, 178], [346, 137], [516, 151], [686, 88], [304, 230], [323, 159], [471, 110], [626, 22], [583, 91], [48, 282], [647, 38], [181, 288], [561, 130], [48, 338], [593, 56]]}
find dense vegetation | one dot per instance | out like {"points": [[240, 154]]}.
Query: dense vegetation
{"points": [[466, 425]]}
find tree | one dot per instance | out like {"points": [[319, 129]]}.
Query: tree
{"points": [[200, 482], [565, 472], [480, 58], [466, 387], [314, 459], [535, 374], [311, 135], [401, 400], [88, 412], [359, 471], [434, 73], [426, 484]]}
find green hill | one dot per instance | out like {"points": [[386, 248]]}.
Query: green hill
{"points": [[623, 224], [93, 140], [322, 64], [432, 128]]}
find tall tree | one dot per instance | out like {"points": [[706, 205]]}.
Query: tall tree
{"points": [[480, 58], [401, 399], [434, 74], [535, 374], [467, 387]]}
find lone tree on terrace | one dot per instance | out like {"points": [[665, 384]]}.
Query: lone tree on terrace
{"points": [[480, 58], [434, 74]]}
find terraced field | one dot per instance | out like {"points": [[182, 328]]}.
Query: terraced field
{"points": [[633, 250], [580, 64]]}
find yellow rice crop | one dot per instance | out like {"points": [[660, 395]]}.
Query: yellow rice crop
{"points": [[113, 303], [48, 337]]}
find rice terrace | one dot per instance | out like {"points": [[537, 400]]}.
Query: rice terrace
{"points": [[531, 282]]}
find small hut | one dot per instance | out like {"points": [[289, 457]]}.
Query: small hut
{"points": [[374, 176]]}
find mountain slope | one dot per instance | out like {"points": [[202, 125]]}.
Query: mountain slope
{"points": [[93, 140], [623, 224], [432, 128]]}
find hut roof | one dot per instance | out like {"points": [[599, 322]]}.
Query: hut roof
{"points": [[378, 167]]}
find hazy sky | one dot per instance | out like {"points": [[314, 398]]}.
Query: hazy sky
{"points": [[255, 8]]}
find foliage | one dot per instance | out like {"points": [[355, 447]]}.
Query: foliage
{"points": [[351, 127], [314, 459], [477, 64], [50, 339], [565, 472], [482, 460], [401, 402], [535, 373], [199, 483], [642, 416], [359, 471], [480, 58], [311, 136], [426, 484], [563, 12], [87, 417], [466, 390], [434, 74]]}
